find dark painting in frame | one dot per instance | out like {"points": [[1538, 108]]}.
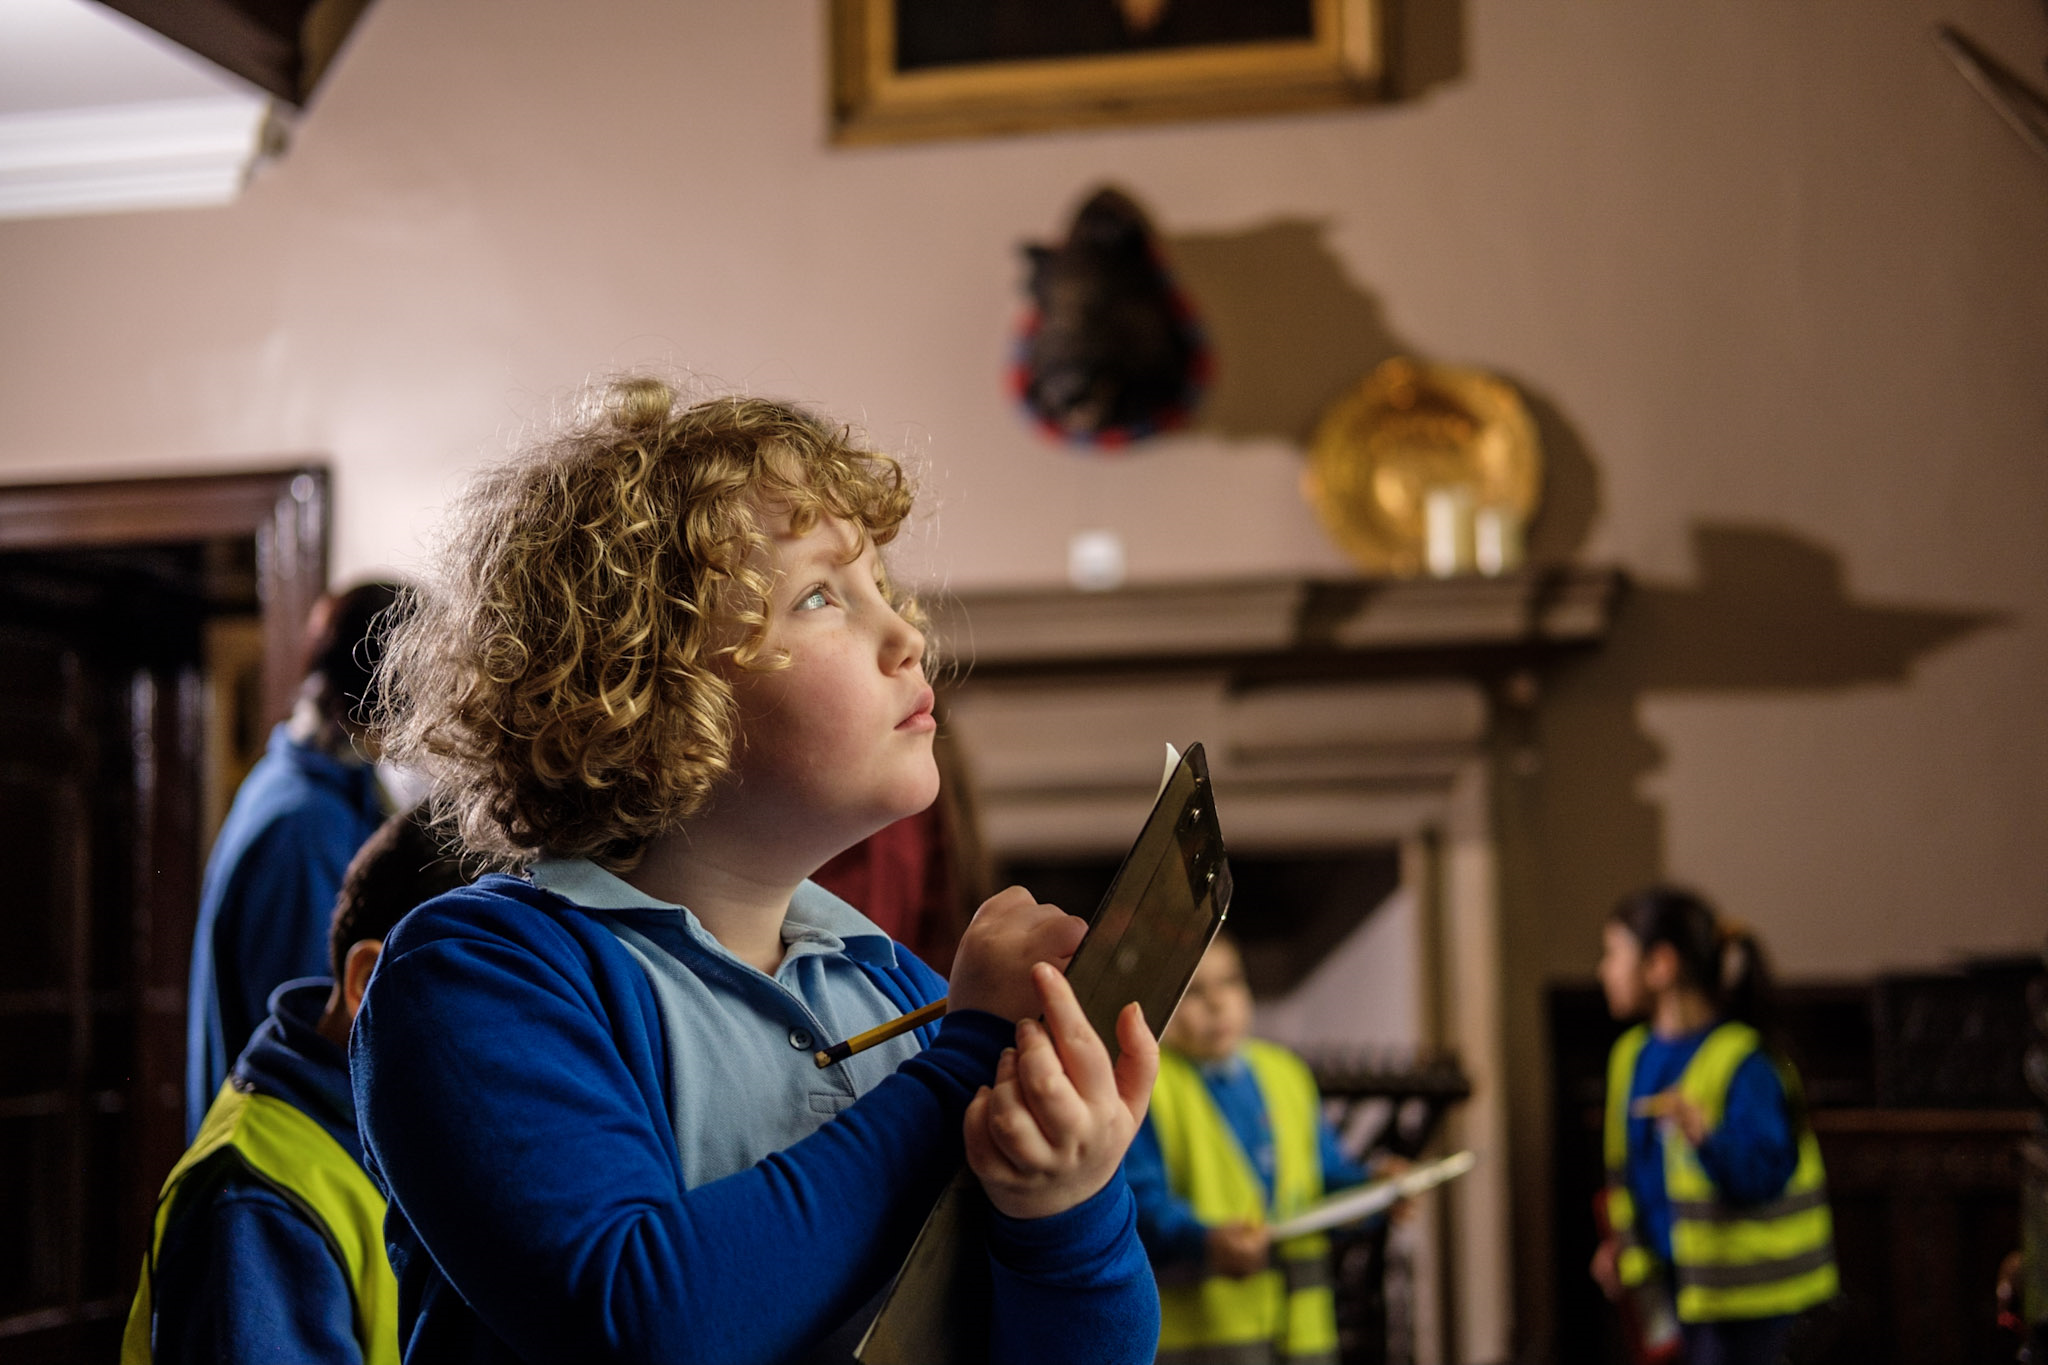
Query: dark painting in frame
{"points": [[913, 69]]}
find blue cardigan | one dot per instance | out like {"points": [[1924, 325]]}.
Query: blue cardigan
{"points": [[513, 1082]]}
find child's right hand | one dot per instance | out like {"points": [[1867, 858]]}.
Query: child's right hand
{"points": [[1606, 1267], [1239, 1249], [1009, 935]]}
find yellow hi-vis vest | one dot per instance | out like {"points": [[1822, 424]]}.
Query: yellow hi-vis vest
{"points": [[1730, 1262], [293, 1155], [1283, 1314]]}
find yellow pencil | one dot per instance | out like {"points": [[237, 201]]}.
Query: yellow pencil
{"points": [[861, 1042]]}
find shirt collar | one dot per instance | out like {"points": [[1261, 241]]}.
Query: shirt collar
{"points": [[1225, 1068], [816, 917]]}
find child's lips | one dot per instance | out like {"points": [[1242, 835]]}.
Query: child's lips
{"points": [[920, 717]]}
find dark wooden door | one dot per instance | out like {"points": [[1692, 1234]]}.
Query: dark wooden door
{"points": [[98, 791], [104, 592]]}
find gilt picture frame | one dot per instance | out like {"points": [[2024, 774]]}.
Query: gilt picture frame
{"points": [[906, 70]]}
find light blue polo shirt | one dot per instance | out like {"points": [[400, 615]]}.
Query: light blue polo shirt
{"points": [[740, 1041]]}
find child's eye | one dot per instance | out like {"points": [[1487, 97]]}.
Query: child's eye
{"points": [[814, 599]]}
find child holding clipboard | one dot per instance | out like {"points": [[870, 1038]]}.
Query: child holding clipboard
{"points": [[1234, 1141], [663, 678]]}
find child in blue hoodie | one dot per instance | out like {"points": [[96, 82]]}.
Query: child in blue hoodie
{"points": [[662, 679], [268, 1243]]}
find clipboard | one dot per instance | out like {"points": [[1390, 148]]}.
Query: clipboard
{"points": [[1143, 943], [1372, 1198]]}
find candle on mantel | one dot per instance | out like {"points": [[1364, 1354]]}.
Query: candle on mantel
{"points": [[1496, 540], [1447, 530]]}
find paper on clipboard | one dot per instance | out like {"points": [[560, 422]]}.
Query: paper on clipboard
{"points": [[1367, 1200], [1143, 943]]}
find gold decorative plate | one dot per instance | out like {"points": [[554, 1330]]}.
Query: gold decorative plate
{"points": [[1407, 428]]}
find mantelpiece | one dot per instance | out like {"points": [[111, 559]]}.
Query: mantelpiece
{"points": [[1336, 715], [1323, 625]]}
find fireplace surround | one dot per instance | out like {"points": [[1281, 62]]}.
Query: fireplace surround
{"points": [[1346, 723]]}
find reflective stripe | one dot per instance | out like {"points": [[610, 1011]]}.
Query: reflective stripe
{"points": [[1244, 1353], [1739, 1274], [1700, 1303], [1736, 1240], [1250, 1353], [1782, 1207], [1306, 1272]]}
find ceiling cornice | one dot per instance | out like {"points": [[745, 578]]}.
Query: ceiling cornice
{"points": [[184, 153]]}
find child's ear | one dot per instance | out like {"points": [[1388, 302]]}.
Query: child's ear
{"points": [[355, 972], [1660, 967]]}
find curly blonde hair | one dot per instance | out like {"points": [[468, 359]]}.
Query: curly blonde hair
{"points": [[565, 681]]}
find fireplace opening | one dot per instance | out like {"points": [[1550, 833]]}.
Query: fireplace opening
{"points": [[1288, 914], [1331, 954]]}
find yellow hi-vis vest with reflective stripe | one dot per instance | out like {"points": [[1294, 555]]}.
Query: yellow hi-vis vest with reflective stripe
{"points": [[1730, 1262], [293, 1155], [1283, 1314]]}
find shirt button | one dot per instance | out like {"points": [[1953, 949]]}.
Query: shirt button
{"points": [[799, 1039]]}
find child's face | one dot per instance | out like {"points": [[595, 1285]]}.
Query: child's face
{"points": [[838, 743], [1216, 1012], [1621, 971]]}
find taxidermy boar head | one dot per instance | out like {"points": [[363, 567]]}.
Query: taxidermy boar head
{"points": [[1111, 351]]}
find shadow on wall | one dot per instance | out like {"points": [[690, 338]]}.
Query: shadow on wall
{"points": [[1770, 614], [1425, 46], [1292, 332]]}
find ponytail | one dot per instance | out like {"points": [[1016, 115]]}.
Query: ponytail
{"points": [[1743, 989]]}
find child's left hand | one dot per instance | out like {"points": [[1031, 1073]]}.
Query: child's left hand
{"points": [[1392, 1167], [1051, 1131]]}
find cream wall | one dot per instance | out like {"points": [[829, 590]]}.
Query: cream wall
{"points": [[1774, 274]]}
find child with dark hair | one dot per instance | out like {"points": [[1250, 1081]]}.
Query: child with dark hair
{"points": [[268, 1240], [662, 680], [1716, 1195], [300, 815]]}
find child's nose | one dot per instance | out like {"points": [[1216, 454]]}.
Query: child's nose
{"points": [[902, 644]]}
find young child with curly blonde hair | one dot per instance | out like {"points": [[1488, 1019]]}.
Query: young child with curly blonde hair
{"points": [[663, 678]]}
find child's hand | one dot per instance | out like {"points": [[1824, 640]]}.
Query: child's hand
{"points": [[1672, 1107], [1605, 1268], [1239, 1249], [1009, 935], [1052, 1130], [1392, 1167]]}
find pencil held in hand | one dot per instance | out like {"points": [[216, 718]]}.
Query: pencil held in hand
{"points": [[1673, 1109], [1658, 1106], [881, 1033]]}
